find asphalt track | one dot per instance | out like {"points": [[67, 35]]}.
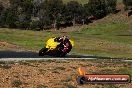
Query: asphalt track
{"points": [[22, 55]]}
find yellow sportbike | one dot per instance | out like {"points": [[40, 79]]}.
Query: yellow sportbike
{"points": [[55, 47]]}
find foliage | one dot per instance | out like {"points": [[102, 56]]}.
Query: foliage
{"points": [[100, 8], [128, 4], [45, 14], [8, 18], [75, 10]]}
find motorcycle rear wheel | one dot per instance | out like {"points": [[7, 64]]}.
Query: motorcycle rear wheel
{"points": [[59, 52]]}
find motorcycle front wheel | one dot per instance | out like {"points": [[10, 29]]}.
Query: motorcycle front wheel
{"points": [[43, 51]]}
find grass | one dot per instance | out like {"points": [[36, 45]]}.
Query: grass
{"points": [[16, 83], [83, 1], [113, 63], [104, 39], [100, 40], [111, 37], [69, 85], [5, 66], [59, 68], [42, 71], [62, 77], [68, 79], [26, 38], [80, 1], [41, 86]]}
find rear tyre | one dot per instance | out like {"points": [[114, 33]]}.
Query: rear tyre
{"points": [[62, 54], [43, 51], [58, 53]]}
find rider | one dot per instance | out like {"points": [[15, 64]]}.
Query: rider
{"points": [[64, 42]]}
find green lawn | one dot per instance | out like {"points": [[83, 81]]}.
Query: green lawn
{"points": [[100, 40], [27, 38], [106, 39]]}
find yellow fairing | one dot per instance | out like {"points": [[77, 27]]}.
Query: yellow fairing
{"points": [[72, 43], [51, 44]]}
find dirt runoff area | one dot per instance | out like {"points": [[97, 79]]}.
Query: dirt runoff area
{"points": [[6, 45], [57, 73], [12, 47]]}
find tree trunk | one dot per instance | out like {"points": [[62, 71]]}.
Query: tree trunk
{"points": [[74, 21], [55, 23], [83, 21]]}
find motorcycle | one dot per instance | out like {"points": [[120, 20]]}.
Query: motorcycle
{"points": [[56, 47]]}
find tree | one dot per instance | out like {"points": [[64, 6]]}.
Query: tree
{"points": [[100, 8], [8, 18], [97, 8], [1, 7], [111, 5], [74, 10], [44, 19], [87, 13], [23, 10], [27, 9], [1, 10], [55, 10], [128, 4], [42, 13], [37, 6]]}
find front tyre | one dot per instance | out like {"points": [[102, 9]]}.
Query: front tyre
{"points": [[43, 51]]}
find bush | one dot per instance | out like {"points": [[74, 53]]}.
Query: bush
{"points": [[23, 25], [111, 6], [8, 18], [100, 8], [1, 7], [74, 10], [52, 13], [34, 25], [128, 4]]}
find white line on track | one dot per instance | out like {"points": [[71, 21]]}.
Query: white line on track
{"points": [[37, 59], [28, 59]]}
